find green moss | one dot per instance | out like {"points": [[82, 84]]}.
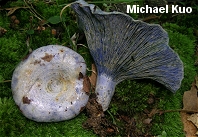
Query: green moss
{"points": [[12, 50], [189, 21], [131, 96], [13, 123]]}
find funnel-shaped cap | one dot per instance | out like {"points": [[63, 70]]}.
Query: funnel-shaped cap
{"points": [[124, 48]]}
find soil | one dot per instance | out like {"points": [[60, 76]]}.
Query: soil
{"points": [[101, 125], [97, 120]]}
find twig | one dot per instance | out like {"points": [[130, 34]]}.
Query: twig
{"points": [[32, 10], [36, 14], [91, 71], [82, 45], [5, 81], [65, 8], [179, 110]]}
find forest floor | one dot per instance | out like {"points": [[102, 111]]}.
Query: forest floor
{"points": [[139, 108]]}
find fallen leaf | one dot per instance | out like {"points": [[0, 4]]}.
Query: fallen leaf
{"points": [[190, 99], [93, 76], [196, 81], [110, 130], [189, 128], [194, 119], [190, 104], [147, 121], [86, 84]]}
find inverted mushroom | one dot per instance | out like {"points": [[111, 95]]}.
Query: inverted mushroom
{"points": [[46, 86], [124, 48]]}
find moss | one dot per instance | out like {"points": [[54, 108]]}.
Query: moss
{"points": [[189, 21], [12, 50], [13, 123], [131, 96]]}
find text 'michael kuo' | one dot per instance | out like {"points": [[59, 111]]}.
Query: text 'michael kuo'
{"points": [[165, 9]]}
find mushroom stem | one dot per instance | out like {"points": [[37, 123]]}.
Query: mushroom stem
{"points": [[105, 88]]}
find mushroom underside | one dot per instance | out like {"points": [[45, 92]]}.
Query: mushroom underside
{"points": [[124, 48]]}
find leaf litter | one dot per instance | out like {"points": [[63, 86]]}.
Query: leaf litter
{"points": [[189, 115]]}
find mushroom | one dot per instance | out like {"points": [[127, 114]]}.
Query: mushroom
{"points": [[124, 48], [46, 86]]}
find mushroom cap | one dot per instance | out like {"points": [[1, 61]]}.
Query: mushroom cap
{"points": [[46, 86], [124, 48]]}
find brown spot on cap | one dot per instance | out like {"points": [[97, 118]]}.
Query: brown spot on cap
{"points": [[47, 57], [37, 62], [26, 100]]}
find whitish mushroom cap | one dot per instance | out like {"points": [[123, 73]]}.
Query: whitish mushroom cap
{"points": [[46, 86], [124, 48]]}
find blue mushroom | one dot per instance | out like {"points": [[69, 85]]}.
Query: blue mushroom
{"points": [[46, 86], [124, 48]]}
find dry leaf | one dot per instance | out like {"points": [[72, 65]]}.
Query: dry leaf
{"points": [[86, 84], [196, 81], [194, 119], [190, 99], [93, 76], [190, 103], [189, 129], [147, 121]]}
